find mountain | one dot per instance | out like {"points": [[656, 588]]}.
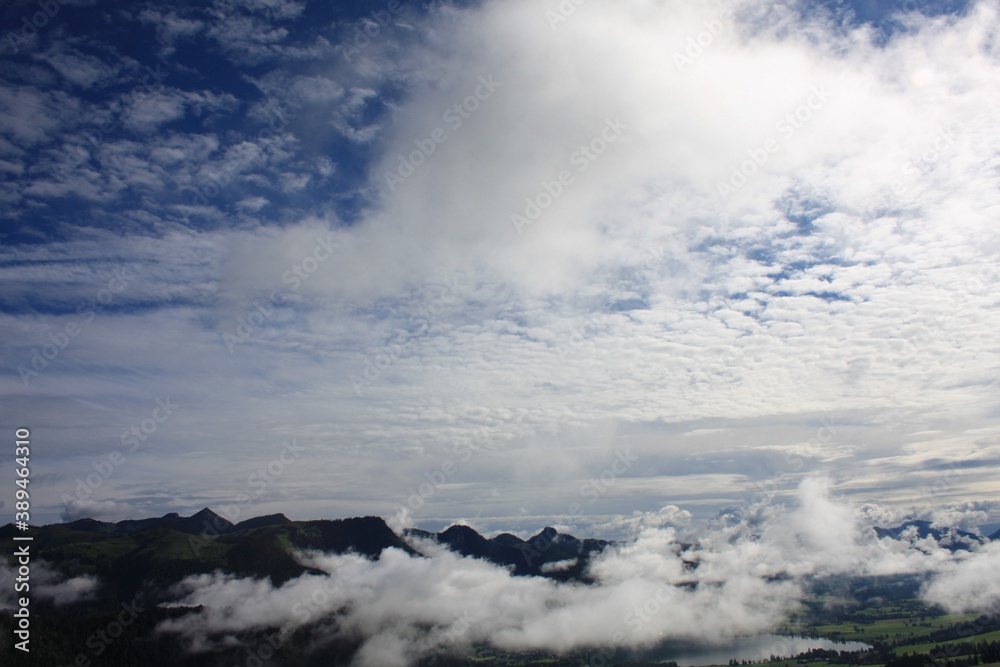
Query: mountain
{"points": [[261, 521], [138, 563], [549, 553], [465, 541], [995, 536], [204, 522], [161, 551], [948, 537]]}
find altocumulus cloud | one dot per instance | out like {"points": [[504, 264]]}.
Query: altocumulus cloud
{"points": [[849, 275]]}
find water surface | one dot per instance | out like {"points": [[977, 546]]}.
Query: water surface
{"points": [[757, 647]]}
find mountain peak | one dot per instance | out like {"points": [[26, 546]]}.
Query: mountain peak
{"points": [[546, 535], [465, 540], [209, 522], [524, 557]]}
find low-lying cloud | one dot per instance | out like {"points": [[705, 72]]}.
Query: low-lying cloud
{"points": [[44, 584], [666, 582], [970, 585]]}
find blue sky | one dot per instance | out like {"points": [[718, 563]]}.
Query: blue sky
{"points": [[518, 263]]}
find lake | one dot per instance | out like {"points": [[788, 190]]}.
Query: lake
{"points": [[758, 647]]}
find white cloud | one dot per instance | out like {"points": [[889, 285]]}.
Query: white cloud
{"points": [[46, 584], [969, 585], [146, 112], [78, 68], [29, 117], [105, 510], [170, 27]]}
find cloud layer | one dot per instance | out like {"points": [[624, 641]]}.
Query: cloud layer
{"points": [[744, 241], [747, 579]]}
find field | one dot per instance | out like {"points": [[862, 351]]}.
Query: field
{"points": [[889, 629], [927, 648], [906, 622]]}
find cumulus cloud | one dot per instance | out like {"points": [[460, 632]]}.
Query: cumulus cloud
{"points": [[391, 603], [969, 585], [968, 515], [670, 515]]}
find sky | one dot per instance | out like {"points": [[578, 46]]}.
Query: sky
{"points": [[510, 263]]}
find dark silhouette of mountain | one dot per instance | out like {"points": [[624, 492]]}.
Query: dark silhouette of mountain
{"points": [[161, 551], [368, 536], [261, 521], [995, 536], [139, 562], [91, 526], [535, 556], [465, 541], [206, 521], [130, 526], [948, 537]]}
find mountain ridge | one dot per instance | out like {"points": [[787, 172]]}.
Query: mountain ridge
{"points": [[172, 546], [164, 550], [168, 548], [532, 557], [949, 537]]}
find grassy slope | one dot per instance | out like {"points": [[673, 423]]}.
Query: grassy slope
{"points": [[927, 648], [890, 628]]}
